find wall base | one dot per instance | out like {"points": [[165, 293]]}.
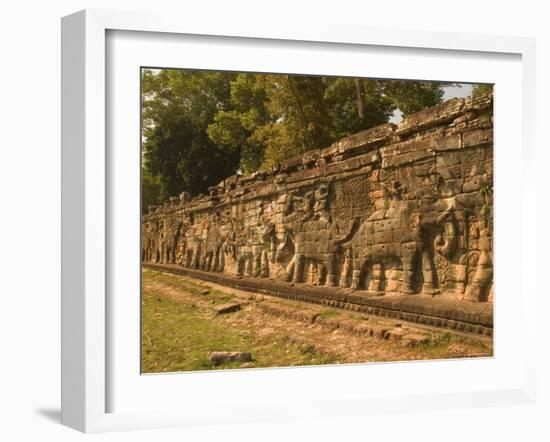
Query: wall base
{"points": [[440, 311]]}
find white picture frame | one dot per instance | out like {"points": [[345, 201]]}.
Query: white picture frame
{"points": [[87, 210]]}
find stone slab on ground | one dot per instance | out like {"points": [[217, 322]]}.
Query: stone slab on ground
{"points": [[219, 357], [227, 308]]}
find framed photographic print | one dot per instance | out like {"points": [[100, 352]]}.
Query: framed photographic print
{"points": [[269, 223]]}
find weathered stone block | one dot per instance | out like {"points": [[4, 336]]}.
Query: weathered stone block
{"points": [[478, 102], [367, 137], [412, 145], [477, 137], [475, 183], [410, 157], [433, 116], [449, 143], [227, 308], [383, 212], [220, 357]]}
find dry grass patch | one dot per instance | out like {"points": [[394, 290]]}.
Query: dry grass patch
{"points": [[180, 328]]}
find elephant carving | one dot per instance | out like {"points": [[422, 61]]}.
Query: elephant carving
{"points": [[255, 251], [480, 287], [149, 239], [168, 241], [310, 238], [398, 232], [315, 246]]}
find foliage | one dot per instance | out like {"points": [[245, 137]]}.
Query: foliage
{"points": [[200, 127], [151, 190], [275, 117], [299, 119], [481, 88], [412, 96], [177, 107], [236, 128], [342, 100]]}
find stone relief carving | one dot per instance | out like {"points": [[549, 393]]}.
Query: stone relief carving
{"points": [[422, 195], [313, 238], [398, 233]]}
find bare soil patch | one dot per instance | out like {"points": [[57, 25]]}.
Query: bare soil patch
{"points": [[181, 327]]}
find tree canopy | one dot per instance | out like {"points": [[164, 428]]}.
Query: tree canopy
{"points": [[198, 127], [482, 88], [177, 107]]}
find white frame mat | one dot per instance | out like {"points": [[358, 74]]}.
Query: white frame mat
{"points": [[101, 389]]}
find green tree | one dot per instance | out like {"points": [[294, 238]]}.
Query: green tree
{"points": [[274, 117], [412, 96], [177, 107], [481, 88], [356, 104], [199, 127], [299, 121], [151, 190], [236, 128]]}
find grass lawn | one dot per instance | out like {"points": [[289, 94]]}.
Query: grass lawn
{"points": [[180, 328], [180, 334]]}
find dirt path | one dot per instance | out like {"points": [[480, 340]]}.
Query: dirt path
{"points": [[277, 332]]}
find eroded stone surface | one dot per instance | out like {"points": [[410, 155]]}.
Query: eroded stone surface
{"points": [[228, 308], [219, 357], [384, 213]]}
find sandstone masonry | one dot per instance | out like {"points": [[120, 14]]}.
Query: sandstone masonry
{"points": [[393, 211]]}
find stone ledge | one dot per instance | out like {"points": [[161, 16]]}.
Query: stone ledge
{"points": [[436, 115], [437, 312], [418, 137]]}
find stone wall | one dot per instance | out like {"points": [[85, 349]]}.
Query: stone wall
{"points": [[393, 210]]}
